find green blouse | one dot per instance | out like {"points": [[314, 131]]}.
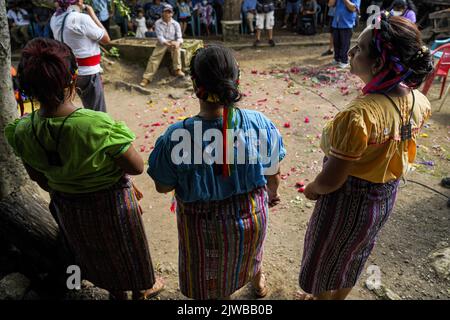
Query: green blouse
{"points": [[89, 143]]}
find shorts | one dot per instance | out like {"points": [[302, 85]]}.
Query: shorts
{"points": [[293, 7], [265, 18]]}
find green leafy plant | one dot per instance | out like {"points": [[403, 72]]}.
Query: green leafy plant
{"points": [[120, 5], [123, 9], [114, 52]]}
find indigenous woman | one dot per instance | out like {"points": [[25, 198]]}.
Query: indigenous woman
{"points": [[82, 158], [222, 203], [368, 147]]}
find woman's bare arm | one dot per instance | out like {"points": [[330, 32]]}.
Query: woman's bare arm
{"points": [[131, 162], [38, 177]]}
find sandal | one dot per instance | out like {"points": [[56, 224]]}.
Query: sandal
{"points": [[154, 291], [262, 292]]}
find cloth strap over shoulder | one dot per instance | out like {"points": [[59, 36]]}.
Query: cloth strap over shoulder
{"points": [[63, 25]]}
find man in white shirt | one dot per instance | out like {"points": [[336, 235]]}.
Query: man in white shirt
{"points": [[168, 32], [18, 22], [83, 33]]}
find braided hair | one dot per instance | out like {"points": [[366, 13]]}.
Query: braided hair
{"points": [[215, 76], [404, 56]]}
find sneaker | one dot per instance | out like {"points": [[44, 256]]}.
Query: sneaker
{"points": [[272, 43], [252, 33], [256, 43], [144, 83], [343, 65], [284, 26], [335, 63], [327, 53], [179, 73]]}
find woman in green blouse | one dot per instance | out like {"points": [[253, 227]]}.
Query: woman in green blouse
{"points": [[83, 159]]}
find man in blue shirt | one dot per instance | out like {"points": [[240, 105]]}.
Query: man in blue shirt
{"points": [[343, 22], [249, 13], [103, 11]]}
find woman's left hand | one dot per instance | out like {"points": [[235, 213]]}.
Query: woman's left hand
{"points": [[274, 198], [137, 192], [310, 193]]}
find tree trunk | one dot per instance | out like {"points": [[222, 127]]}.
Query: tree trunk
{"points": [[25, 220], [232, 10], [231, 21]]}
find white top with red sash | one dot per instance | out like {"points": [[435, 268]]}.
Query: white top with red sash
{"points": [[82, 35]]}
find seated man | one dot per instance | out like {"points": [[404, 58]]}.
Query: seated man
{"points": [[19, 23], [168, 32]]}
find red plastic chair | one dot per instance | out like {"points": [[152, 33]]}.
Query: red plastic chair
{"points": [[441, 69]]}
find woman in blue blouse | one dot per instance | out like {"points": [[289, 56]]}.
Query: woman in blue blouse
{"points": [[222, 206]]}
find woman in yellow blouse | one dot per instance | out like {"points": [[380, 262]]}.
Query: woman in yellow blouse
{"points": [[368, 147]]}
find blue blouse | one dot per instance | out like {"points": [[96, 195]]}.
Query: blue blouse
{"points": [[178, 161]]}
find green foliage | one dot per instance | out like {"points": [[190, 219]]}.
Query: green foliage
{"points": [[120, 5], [114, 52], [123, 9]]}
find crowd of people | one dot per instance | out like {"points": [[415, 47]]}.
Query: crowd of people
{"points": [[85, 159], [144, 14], [31, 19]]}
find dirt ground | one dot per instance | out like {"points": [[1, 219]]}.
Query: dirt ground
{"points": [[288, 86], [299, 91]]}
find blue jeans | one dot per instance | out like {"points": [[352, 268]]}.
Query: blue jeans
{"points": [[293, 7]]}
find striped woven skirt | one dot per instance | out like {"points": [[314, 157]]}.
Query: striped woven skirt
{"points": [[342, 232], [221, 244], [104, 230]]}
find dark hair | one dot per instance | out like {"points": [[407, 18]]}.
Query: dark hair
{"points": [[407, 4], [400, 42], [215, 69], [46, 69]]}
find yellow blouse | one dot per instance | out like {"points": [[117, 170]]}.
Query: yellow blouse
{"points": [[368, 133]]}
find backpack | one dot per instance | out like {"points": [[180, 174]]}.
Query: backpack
{"points": [[306, 26]]}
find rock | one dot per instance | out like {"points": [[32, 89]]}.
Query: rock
{"points": [[86, 284], [442, 245], [31, 295], [130, 86], [14, 286], [88, 293], [386, 294], [441, 262], [175, 95], [183, 83]]}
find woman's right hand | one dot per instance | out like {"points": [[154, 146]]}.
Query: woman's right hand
{"points": [[310, 193]]}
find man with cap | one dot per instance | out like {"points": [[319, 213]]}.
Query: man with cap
{"points": [[168, 32]]}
